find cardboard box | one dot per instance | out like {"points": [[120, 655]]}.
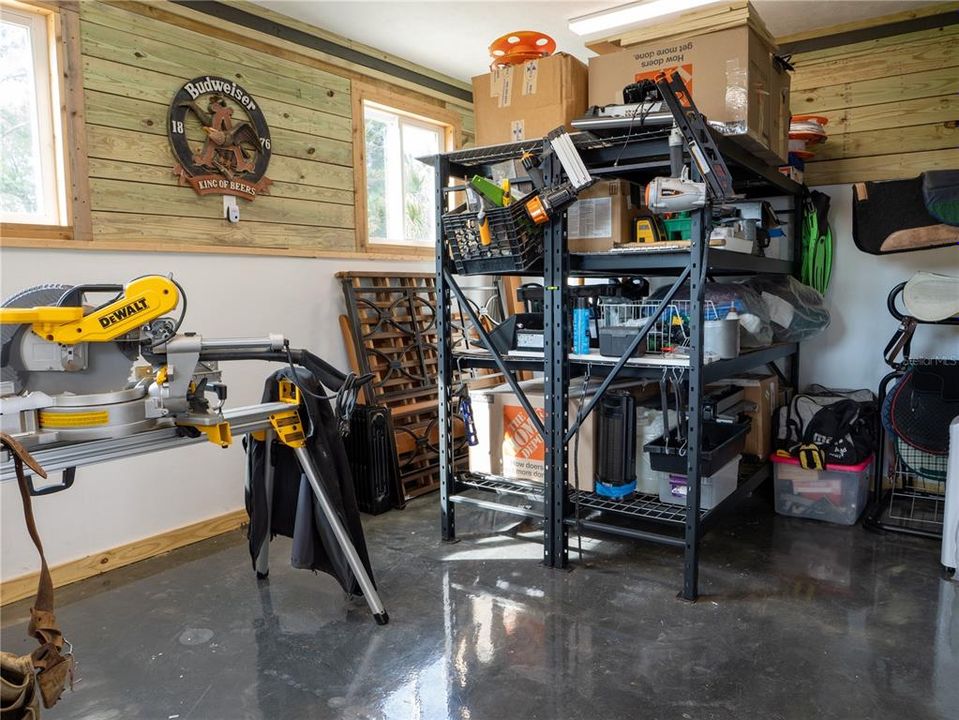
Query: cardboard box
{"points": [[763, 390], [521, 102], [730, 73], [604, 216], [509, 444]]}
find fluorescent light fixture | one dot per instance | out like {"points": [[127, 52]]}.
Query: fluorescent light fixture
{"points": [[630, 14]]}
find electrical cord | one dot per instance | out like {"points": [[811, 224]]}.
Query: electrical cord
{"points": [[645, 107], [344, 399]]}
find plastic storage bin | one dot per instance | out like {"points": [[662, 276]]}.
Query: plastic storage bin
{"points": [[516, 242], [713, 489], [837, 494], [721, 443]]}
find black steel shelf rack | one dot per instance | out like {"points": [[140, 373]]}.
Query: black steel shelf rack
{"points": [[638, 156]]}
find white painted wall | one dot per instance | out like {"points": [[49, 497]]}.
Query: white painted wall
{"points": [[849, 353], [229, 296]]}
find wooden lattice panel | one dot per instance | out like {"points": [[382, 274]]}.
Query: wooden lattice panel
{"points": [[390, 332]]}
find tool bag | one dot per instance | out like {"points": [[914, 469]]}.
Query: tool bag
{"points": [[48, 668], [904, 215], [824, 426]]}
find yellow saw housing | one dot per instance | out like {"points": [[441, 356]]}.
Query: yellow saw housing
{"points": [[142, 300]]}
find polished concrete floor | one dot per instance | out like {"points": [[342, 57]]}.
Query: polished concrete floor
{"points": [[797, 620]]}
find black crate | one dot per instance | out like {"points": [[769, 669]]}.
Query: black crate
{"points": [[371, 449], [721, 442], [516, 241]]}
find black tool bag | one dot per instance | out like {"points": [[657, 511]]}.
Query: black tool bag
{"points": [[824, 426]]}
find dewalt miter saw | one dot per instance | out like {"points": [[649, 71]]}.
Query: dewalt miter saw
{"points": [[84, 383]]}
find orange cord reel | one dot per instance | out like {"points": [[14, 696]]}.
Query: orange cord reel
{"points": [[518, 47]]}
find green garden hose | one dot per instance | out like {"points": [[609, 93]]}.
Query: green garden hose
{"points": [[816, 242]]}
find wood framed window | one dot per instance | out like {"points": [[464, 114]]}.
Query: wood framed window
{"points": [[394, 192], [43, 183]]}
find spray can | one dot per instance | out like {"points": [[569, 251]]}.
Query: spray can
{"points": [[581, 327]]}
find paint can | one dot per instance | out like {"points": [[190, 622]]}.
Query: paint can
{"points": [[722, 336]]}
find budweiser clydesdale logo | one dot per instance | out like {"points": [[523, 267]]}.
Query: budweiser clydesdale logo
{"points": [[220, 139]]}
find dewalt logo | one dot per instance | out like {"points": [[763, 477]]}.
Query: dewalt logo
{"points": [[127, 311]]}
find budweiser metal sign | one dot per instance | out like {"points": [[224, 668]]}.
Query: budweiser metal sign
{"points": [[220, 139]]}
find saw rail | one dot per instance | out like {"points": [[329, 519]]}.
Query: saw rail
{"points": [[60, 456]]}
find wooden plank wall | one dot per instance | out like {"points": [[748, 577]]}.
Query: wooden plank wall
{"points": [[892, 104], [133, 64]]}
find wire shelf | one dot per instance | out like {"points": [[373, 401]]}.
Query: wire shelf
{"points": [[495, 483], [669, 335], [646, 507], [917, 498]]}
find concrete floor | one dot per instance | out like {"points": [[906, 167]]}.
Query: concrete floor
{"points": [[797, 620]]}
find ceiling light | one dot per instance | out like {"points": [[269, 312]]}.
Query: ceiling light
{"points": [[630, 15]]}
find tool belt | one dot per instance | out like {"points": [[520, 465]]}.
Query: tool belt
{"points": [[48, 668]]}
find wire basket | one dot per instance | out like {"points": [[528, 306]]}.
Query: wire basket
{"points": [[917, 497], [669, 335], [516, 241]]}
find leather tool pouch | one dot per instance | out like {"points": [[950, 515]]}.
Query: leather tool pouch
{"points": [[25, 680]]}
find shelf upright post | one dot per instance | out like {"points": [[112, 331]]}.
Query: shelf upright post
{"points": [[444, 354], [556, 372], [697, 259], [796, 231]]}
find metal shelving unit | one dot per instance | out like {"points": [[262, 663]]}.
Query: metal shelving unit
{"points": [[639, 157]]}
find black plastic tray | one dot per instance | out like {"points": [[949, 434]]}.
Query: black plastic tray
{"points": [[721, 442]]}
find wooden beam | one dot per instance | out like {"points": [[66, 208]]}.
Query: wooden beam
{"points": [[880, 167], [892, 19], [889, 61], [66, 573], [892, 114], [890, 141], [149, 149], [178, 202], [158, 175], [180, 245], [111, 77], [208, 26], [39, 232], [139, 26], [911, 86], [74, 123], [261, 11], [870, 47], [115, 111], [185, 63]]}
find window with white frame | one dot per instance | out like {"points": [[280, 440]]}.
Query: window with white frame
{"points": [[31, 166], [400, 200]]}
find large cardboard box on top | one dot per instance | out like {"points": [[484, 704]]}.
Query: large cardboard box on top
{"points": [[603, 216], [521, 102], [731, 74]]}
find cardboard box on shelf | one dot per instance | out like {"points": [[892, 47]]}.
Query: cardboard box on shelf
{"points": [[763, 391], [522, 102], [603, 216], [730, 73], [509, 444]]}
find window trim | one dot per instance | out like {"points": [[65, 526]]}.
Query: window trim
{"points": [[414, 109], [69, 121]]}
